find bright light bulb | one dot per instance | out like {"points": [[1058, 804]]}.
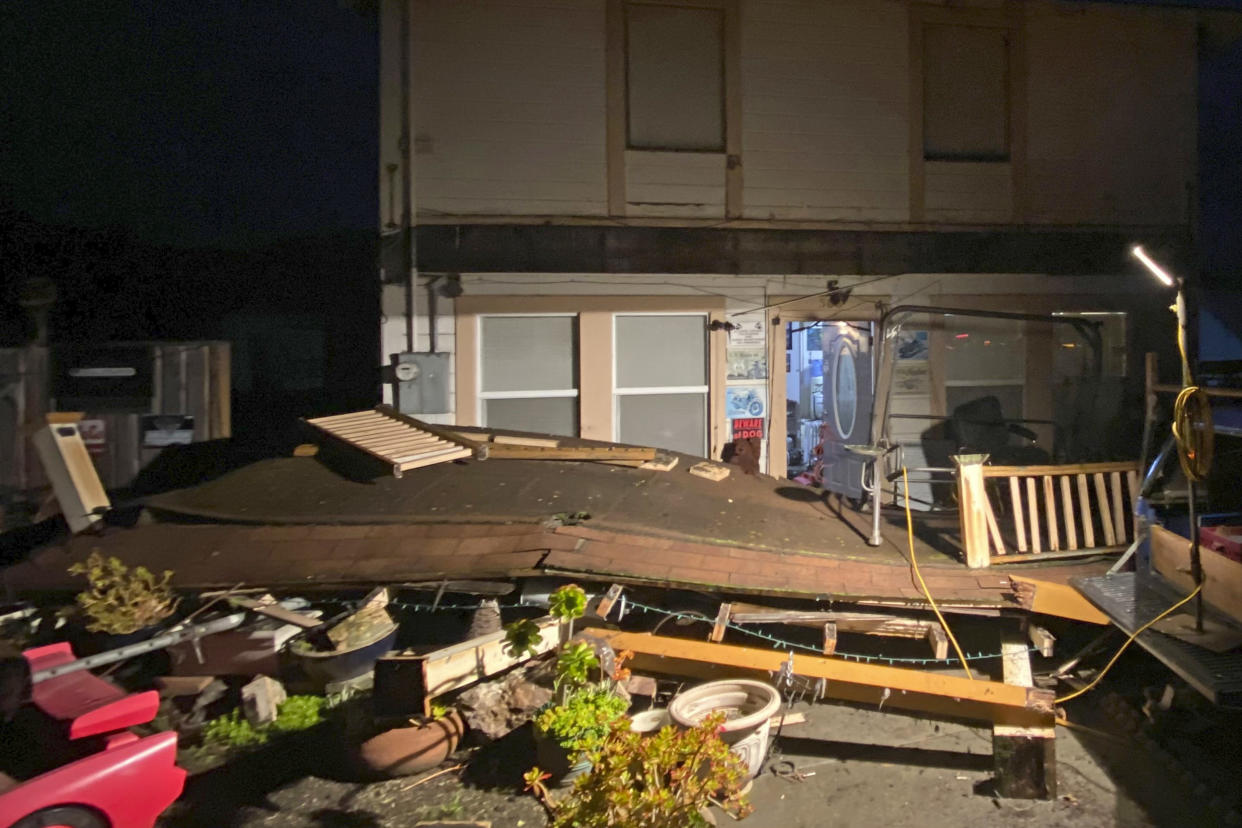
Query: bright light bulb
{"points": [[1156, 270]]}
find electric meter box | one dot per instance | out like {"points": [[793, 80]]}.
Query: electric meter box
{"points": [[420, 383]]}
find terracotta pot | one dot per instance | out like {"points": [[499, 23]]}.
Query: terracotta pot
{"points": [[748, 707], [402, 751]]}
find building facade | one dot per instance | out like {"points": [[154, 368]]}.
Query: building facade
{"points": [[664, 222]]}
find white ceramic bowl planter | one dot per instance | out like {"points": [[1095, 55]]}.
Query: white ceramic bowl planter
{"points": [[748, 707]]}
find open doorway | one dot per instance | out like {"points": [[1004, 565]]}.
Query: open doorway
{"points": [[828, 400]]}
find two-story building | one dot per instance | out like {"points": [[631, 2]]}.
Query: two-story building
{"points": [[672, 223]]}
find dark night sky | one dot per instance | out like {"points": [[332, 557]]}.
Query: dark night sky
{"points": [[234, 122], [216, 122]]}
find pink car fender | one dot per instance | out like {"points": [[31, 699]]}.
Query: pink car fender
{"points": [[128, 784]]}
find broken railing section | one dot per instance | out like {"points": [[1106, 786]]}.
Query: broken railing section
{"points": [[1011, 514], [404, 443], [833, 621]]}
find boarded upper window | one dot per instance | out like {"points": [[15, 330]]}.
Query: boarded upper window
{"points": [[675, 77], [965, 93]]}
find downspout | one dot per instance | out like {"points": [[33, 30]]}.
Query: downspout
{"points": [[409, 254]]}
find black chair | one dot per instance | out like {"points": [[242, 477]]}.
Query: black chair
{"points": [[979, 427]]}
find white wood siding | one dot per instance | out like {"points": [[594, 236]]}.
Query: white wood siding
{"points": [[509, 107], [825, 92], [510, 118]]}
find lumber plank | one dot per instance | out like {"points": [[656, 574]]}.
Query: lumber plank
{"points": [[1041, 639], [722, 621], [1106, 515], [1119, 523], [512, 440], [710, 471], [1061, 600], [1032, 503], [1084, 509], [608, 600], [463, 664], [993, 529], [276, 611], [938, 640], [948, 695], [1050, 509], [1222, 577], [1019, 524], [1067, 509], [511, 452], [1063, 554], [972, 505]]}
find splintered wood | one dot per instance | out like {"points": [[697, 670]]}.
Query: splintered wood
{"points": [[400, 442]]}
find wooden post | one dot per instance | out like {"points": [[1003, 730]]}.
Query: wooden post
{"points": [[722, 621], [939, 641], [830, 638], [1024, 756], [972, 504]]}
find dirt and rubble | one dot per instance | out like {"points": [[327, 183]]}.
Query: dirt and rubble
{"points": [[860, 768]]}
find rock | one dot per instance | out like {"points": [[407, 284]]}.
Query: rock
{"points": [[637, 685], [494, 708], [261, 700], [172, 687]]}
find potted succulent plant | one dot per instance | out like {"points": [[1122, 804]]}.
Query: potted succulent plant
{"points": [[121, 605], [651, 781], [583, 708]]}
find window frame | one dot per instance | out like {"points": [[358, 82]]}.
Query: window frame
{"points": [[482, 396], [663, 390]]}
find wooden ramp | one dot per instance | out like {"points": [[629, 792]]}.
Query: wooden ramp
{"points": [[401, 442]]}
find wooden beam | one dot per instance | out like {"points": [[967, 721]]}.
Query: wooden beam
{"points": [[452, 668], [722, 621], [606, 603], [501, 451], [868, 623], [1024, 756], [907, 689], [276, 611], [1069, 468], [1041, 639], [830, 638], [939, 641], [1048, 598]]}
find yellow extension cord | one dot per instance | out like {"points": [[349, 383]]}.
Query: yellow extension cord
{"points": [[914, 563]]}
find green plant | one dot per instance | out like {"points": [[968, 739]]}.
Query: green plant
{"points": [[574, 664], [522, 637], [567, 603], [583, 718], [121, 600], [234, 730], [651, 782]]}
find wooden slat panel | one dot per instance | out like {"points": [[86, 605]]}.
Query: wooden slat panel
{"points": [[403, 441], [1038, 471], [1032, 505], [341, 419], [1119, 521], [1106, 513], [1084, 509], [1067, 509], [1050, 505], [1019, 525], [993, 529], [438, 457]]}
